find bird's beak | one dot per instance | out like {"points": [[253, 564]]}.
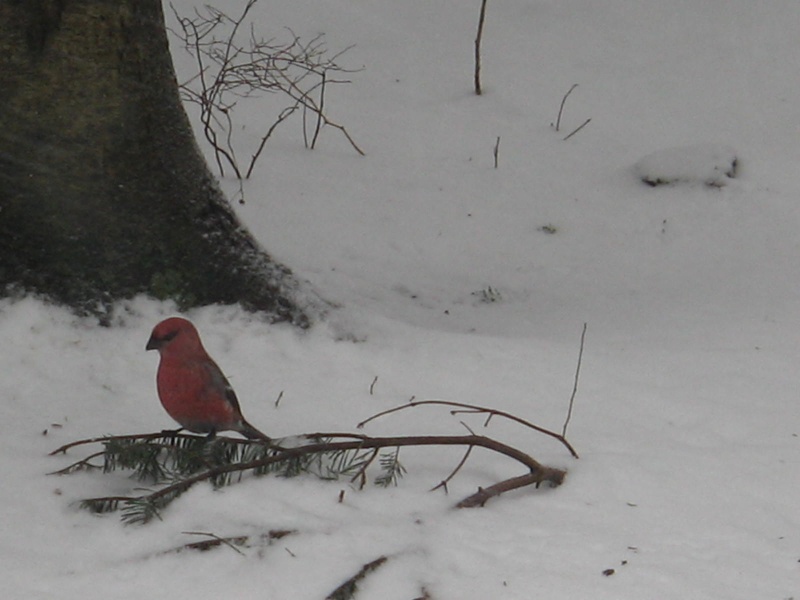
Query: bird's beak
{"points": [[153, 343]]}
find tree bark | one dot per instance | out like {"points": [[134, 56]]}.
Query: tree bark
{"points": [[104, 193]]}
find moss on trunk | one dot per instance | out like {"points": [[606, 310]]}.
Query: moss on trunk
{"points": [[103, 191]]}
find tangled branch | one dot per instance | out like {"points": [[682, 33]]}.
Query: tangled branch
{"points": [[230, 71]]}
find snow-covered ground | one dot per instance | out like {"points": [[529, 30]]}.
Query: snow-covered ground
{"points": [[465, 282]]}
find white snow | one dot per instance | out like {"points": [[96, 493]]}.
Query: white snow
{"points": [[687, 416], [710, 164]]}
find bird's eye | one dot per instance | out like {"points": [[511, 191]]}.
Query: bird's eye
{"points": [[169, 336]]}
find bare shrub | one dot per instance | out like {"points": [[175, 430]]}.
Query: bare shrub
{"points": [[232, 68]]}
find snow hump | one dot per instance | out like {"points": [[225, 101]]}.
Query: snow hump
{"points": [[710, 164]]}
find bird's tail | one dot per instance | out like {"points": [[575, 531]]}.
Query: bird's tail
{"points": [[252, 433]]}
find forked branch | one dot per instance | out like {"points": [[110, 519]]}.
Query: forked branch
{"points": [[472, 409], [197, 453]]}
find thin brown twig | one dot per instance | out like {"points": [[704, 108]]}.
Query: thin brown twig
{"points": [[80, 465], [443, 483], [561, 108], [577, 129], [478, 39], [323, 76], [237, 540], [216, 540], [473, 409], [284, 114], [348, 588], [467, 427], [108, 438], [575, 384]]}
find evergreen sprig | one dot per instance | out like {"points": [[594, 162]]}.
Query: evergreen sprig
{"points": [[392, 469], [173, 462], [138, 511], [169, 461]]}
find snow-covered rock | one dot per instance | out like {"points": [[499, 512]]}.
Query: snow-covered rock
{"points": [[709, 164]]}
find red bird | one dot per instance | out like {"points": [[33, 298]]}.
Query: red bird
{"points": [[191, 386]]}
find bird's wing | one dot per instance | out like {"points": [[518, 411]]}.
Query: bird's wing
{"points": [[220, 383]]}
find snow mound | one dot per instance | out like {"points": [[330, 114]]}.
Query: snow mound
{"points": [[709, 164]]}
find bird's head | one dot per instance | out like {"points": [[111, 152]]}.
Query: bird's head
{"points": [[174, 334]]}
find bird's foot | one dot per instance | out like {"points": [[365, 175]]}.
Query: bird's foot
{"points": [[171, 432]]}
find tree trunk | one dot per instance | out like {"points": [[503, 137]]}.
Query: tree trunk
{"points": [[103, 191]]}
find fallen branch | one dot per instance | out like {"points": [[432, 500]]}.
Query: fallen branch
{"points": [[177, 461], [204, 460]]}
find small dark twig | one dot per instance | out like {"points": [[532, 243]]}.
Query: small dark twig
{"points": [[284, 114], [496, 152], [215, 540], [577, 129], [478, 38], [231, 541], [81, 465], [561, 108], [110, 438], [347, 590], [575, 385], [321, 108], [467, 427], [443, 483]]}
